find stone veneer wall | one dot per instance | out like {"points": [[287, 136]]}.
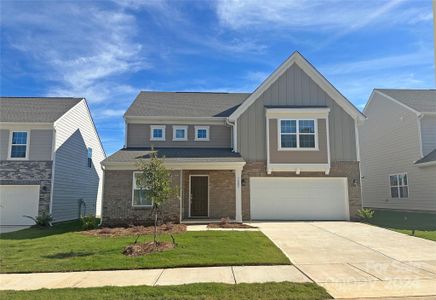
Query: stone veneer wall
{"points": [[347, 169], [221, 193], [29, 173], [117, 209]]}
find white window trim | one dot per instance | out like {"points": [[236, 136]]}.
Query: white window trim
{"points": [[152, 127], [398, 186], [133, 193], [11, 132], [175, 128], [297, 134], [207, 133]]}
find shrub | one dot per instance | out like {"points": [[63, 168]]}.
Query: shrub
{"points": [[89, 222], [365, 214], [43, 220]]}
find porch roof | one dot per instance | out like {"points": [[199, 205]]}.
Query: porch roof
{"points": [[175, 155]]}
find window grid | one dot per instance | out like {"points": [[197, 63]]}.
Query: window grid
{"points": [[139, 194], [297, 134], [399, 185], [19, 145]]}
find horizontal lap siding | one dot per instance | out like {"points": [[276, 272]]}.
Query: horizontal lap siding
{"points": [[41, 144], [295, 88], [389, 142], [138, 135], [73, 179], [4, 143]]}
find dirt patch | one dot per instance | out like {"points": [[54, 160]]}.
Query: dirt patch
{"points": [[135, 230], [140, 249], [229, 225]]}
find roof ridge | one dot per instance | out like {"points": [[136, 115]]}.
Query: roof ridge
{"points": [[39, 97], [193, 92]]}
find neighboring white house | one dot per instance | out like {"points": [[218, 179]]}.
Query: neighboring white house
{"points": [[50, 155], [398, 150]]}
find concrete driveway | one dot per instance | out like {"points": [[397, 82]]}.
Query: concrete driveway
{"points": [[354, 260]]}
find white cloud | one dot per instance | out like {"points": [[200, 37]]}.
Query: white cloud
{"points": [[79, 53]]}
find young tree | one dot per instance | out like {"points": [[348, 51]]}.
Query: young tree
{"points": [[155, 179]]}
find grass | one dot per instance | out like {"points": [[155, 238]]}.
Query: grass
{"points": [[421, 225], [63, 248], [283, 290]]}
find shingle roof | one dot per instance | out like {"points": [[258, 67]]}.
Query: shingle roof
{"points": [[34, 109], [419, 100], [185, 104], [428, 158], [175, 155]]}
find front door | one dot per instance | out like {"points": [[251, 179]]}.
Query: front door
{"points": [[199, 196]]}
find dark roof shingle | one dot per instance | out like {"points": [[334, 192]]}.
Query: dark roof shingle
{"points": [[419, 100], [34, 109], [185, 104], [428, 158]]}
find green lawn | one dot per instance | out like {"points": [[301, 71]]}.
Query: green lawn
{"points": [[283, 290], [421, 225], [63, 248]]}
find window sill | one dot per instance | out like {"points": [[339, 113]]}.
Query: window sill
{"points": [[298, 149], [157, 140]]}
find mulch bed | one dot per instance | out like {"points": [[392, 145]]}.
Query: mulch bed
{"points": [[229, 225], [135, 230], [140, 249]]}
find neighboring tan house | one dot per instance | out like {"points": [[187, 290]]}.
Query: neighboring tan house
{"points": [[50, 156], [398, 150], [287, 151]]}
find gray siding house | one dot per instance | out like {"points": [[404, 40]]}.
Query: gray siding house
{"points": [[287, 151], [398, 150], [50, 156]]}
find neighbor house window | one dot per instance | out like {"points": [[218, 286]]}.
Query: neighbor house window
{"points": [[157, 133], [399, 185], [297, 134], [140, 194], [89, 157], [19, 141], [201, 133], [180, 133]]}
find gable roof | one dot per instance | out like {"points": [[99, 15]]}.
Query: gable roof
{"points": [[314, 74], [419, 100], [429, 158], [35, 109], [185, 104]]}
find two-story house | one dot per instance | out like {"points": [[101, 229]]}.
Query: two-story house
{"points": [[287, 151], [50, 156], [398, 150]]}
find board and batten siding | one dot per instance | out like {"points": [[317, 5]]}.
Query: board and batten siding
{"points": [[389, 144], [138, 135], [295, 88], [428, 134], [40, 143], [73, 179]]}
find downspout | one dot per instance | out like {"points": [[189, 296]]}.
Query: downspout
{"points": [[102, 195], [235, 133]]}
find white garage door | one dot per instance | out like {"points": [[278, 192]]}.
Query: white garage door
{"points": [[16, 201], [280, 198]]}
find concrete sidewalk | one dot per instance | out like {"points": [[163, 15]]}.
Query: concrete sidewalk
{"points": [[176, 276]]}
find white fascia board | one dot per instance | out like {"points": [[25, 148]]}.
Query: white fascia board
{"points": [[178, 120], [317, 77], [180, 166], [426, 164], [298, 168], [297, 112], [393, 100]]}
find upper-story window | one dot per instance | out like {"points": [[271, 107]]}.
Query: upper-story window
{"points": [[89, 157], [19, 145], [157, 133], [180, 133], [201, 133], [399, 185], [297, 134]]}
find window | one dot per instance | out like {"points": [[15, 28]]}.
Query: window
{"points": [[399, 185], [201, 133], [19, 140], [157, 133], [297, 134], [89, 157], [180, 133], [140, 195]]}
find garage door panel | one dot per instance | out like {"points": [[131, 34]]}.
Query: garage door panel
{"points": [[279, 198], [16, 201]]}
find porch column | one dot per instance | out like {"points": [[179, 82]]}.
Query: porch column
{"points": [[238, 196]]}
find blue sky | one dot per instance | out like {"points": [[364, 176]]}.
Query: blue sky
{"points": [[107, 51]]}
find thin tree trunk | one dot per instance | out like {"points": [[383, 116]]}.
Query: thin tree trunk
{"points": [[155, 227]]}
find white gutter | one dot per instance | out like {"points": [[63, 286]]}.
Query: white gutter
{"points": [[235, 133]]}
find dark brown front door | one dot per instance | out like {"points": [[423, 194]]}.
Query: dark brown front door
{"points": [[199, 196]]}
